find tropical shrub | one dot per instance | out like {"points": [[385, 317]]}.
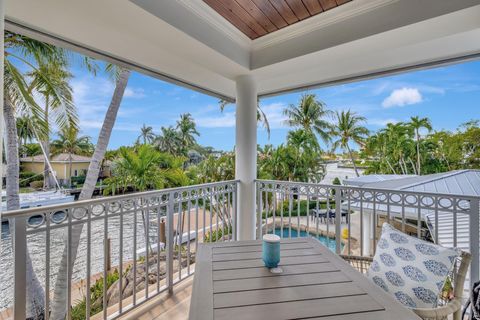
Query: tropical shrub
{"points": [[36, 184], [399, 149], [312, 204], [27, 177], [214, 235], [96, 293], [145, 168]]}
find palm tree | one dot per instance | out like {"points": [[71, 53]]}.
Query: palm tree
{"points": [[146, 134], [18, 99], [121, 76], [417, 123], [309, 115], [398, 144], [168, 141], [146, 168], [348, 129], [25, 132], [51, 81], [186, 131], [69, 142], [304, 147]]}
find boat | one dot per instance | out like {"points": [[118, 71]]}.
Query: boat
{"points": [[38, 199]]}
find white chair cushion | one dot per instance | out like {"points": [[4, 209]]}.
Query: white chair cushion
{"points": [[412, 270]]}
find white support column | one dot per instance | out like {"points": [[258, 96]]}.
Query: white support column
{"points": [[367, 233], [2, 52], [246, 155]]}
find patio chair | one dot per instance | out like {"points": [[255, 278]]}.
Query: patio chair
{"points": [[446, 307], [332, 215], [319, 214]]}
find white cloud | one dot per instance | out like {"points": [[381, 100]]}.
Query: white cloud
{"points": [[381, 122], [402, 97], [134, 93], [226, 119], [222, 120], [274, 113]]}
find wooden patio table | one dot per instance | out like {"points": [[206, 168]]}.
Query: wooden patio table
{"points": [[231, 282]]}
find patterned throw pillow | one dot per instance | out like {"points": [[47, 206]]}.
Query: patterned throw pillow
{"points": [[412, 270]]}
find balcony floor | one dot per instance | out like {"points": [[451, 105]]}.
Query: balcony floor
{"points": [[166, 306]]}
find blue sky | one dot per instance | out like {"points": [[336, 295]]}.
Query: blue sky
{"points": [[449, 96]]}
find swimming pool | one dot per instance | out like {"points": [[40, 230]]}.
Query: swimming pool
{"points": [[328, 242]]}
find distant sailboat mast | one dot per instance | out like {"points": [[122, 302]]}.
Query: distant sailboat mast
{"points": [[48, 161]]}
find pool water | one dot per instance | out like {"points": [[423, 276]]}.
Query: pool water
{"points": [[328, 242]]}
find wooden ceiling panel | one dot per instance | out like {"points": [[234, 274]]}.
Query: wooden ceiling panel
{"points": [[313, 6], [287, 13], [328, 4], [298, 8], [256, 18], [272, 13], [234, 19], [258, 15]]}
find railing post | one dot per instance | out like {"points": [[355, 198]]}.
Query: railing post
{"points": [[20, 269], [474, 240], [169, 243], [235, 212], [338, 219]]}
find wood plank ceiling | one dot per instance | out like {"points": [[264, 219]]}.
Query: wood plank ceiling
{"points": [[256, 18]]}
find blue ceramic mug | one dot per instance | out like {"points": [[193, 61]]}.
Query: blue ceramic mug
{"points": [[271, 250]]}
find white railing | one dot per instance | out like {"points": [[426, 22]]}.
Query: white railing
{"points": [[147, 238], [293, 209]]}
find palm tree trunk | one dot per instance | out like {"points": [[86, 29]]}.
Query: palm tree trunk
{"points": [[405, 165], [35, 294], [391, 167], [418, 152], [413, 165], [13, 163], [46, 168], [353, 161], [60, 298], [401, 166], [69, 170], [47, 183]]}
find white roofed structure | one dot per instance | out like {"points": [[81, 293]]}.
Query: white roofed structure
{"points": [[458, 182]]}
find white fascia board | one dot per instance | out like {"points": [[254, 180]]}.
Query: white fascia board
{"points": [[201, 22], [443, 38], [124, 31], [351, 22]]}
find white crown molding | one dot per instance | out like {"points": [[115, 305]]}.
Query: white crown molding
{"points": [[319, 21], [343, 12], [206, 13]]}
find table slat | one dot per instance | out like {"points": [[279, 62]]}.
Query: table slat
{"points": [[300, 309], [258, 255], [264, 272], [258, 247], [244, 298], [239, 264], [278, 282]]}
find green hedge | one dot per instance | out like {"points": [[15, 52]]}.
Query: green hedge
{"points": [[78, 180], [303, 207], [217, 234], [26, 177]]}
